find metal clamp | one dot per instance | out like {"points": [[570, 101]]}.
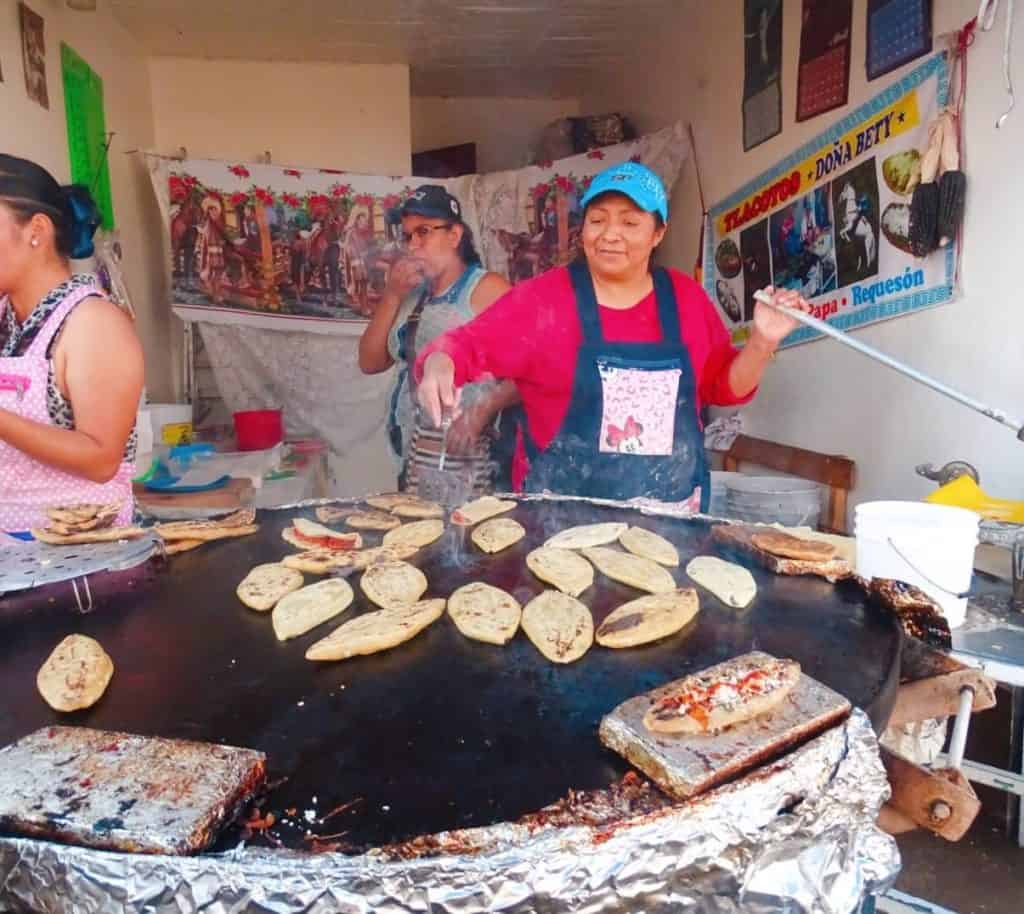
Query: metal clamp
{"points": [[84, 610], [948, 472]]}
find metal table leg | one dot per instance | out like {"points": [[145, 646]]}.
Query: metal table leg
{"points": [[1017, 750]]}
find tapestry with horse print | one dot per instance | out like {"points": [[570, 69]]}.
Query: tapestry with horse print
{"points": [[280, 247], [309, 249], [530, 218]]}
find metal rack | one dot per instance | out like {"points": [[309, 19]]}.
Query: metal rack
{"points": [[200, 384]]}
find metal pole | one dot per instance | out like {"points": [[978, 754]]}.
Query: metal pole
{"points": [[958, 740], [822, 327]]}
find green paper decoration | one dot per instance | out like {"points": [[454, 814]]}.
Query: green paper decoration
{"points": [[87, 130]]}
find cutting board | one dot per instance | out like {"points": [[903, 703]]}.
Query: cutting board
{"points": [[118, 791], [685, 765], [238, 493]]}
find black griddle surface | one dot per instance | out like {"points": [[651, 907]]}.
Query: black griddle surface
{"points": [[441, 732]]}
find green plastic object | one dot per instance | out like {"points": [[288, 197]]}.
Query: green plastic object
{"points": [[87, 130], [150, 473], [275, 475]]}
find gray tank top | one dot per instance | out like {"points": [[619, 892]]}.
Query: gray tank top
{"points": [[441, 313]]}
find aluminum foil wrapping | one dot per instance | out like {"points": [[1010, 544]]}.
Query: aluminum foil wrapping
{"points": [[644, 505], [798, 837]]}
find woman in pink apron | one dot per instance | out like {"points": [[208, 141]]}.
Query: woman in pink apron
{"points": [[71, 367]]}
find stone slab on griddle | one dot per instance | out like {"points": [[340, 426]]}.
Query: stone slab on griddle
{"points": [[119, 791], [740, 538], [684, 765]]}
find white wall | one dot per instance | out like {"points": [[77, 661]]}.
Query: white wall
{"points": [[822, 395], [505, 130], [32, 132], [348, 116]]}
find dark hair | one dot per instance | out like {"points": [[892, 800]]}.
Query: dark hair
{"points": [[29, 189], [467, 247], [658, 221]]}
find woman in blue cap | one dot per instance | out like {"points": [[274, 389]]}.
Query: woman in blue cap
{"points": [[439, 285], [612, 359], [71, 368]]}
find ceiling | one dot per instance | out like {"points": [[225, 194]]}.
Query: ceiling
{"points": [[453, 47]]}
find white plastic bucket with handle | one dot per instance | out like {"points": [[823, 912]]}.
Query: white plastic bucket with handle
{"points": [[928, 546]]}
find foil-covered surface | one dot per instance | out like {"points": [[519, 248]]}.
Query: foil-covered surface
{"points": [[121, 791], [796, 836], [644, 505]]}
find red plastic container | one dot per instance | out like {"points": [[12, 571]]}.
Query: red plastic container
{"points": [[258, 429]]}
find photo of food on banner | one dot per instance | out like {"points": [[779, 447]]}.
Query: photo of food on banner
{"points": [[729, 266], [741, 270]]}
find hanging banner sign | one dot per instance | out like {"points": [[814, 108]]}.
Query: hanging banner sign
{"points": [[831, 220]]}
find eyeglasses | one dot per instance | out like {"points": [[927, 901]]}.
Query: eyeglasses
{"points": [[422, 232]]}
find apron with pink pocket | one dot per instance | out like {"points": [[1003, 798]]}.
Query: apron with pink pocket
{"points": [[28, 487]]}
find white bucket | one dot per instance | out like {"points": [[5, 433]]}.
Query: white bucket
{"points": [[928, 546], [161, 414]]}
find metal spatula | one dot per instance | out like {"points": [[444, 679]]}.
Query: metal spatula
{"points": [[446, 424], [822, 327], [447, 487]]}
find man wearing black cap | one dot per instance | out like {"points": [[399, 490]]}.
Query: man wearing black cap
{"points": [[437, 286]]}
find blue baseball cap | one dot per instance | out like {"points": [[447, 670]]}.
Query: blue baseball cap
{"points": [[635, 181]]}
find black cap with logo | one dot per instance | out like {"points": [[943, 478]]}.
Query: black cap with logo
{"points": [[433, 202]]}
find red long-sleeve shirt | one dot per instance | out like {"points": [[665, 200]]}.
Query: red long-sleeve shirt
{"points": [[532, 333]]}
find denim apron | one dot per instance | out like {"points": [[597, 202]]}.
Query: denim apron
{"points": [[632, 428]]}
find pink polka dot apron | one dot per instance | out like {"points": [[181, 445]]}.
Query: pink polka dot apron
{"points": [[632, 427], [28, 487]]}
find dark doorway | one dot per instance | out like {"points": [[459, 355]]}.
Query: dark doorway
{"points": [[446, 162]]}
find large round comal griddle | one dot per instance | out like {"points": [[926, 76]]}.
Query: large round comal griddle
{"points": [[441, 732]]}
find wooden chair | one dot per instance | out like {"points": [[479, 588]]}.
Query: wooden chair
{"points": [[837, 474]]}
